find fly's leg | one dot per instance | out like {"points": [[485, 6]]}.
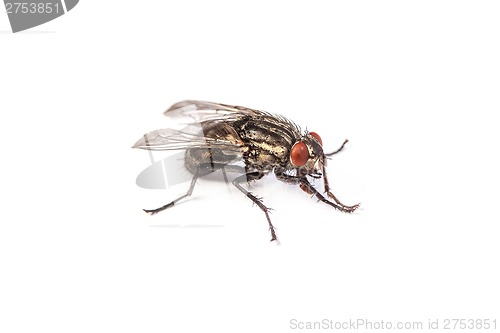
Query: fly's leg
{"points": [[308, 188], [225, 176], [286, 178], [353, 207], [200, 171], [327, 185], [338, 150], [332, 196], [231, 169], [258, 201], [171, 204]]}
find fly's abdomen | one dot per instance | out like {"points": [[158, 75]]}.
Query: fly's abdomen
{"points": [[206, 160]]}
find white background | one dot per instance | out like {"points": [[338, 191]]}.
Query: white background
{"points": [[413, 85]]}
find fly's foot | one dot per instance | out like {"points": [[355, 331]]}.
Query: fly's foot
{"points": [[151, 211], [350, 209], [344, 208], [157, 210], [273, 234]]}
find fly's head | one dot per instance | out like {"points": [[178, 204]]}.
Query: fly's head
{"points": [[307, 155]]}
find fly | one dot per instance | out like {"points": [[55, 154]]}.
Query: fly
{"points": [[219, 135]]}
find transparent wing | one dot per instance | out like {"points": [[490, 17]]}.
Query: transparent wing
{"points": [[200, 111], [192, 114], [171, 139], [207, 125]]}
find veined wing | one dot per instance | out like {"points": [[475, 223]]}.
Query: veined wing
{"points": [[171, 139], [215, 119], [200, 111]]}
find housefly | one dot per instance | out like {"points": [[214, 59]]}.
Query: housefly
{"points": [[218, 136]]}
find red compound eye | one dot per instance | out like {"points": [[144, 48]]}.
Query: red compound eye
{"points": [[299, 154], [317, 137]]}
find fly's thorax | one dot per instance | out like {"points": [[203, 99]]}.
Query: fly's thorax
{"points": [[268, 140]]}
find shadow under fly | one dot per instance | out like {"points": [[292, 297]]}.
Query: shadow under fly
{"points": [[248, 142]]}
